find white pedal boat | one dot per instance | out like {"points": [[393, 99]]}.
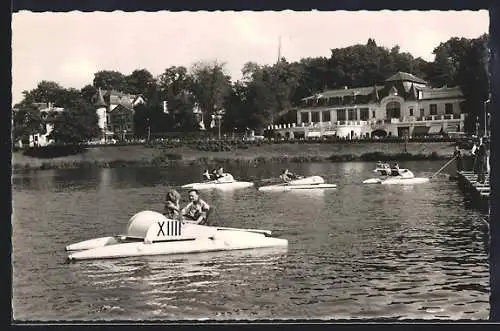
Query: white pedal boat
{"points": [[308, 183], [151, 233], [405, 177], [226, 182]]}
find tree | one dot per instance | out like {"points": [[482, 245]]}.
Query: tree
{"points": [[45, 92], [175, 86], [27, 121], [110, 80], [264, 93], [449, 57], [69, 98], [281, 79], [75, 124], [421, 68], [473, 78], [139, 82], [210, 86], [88, 93]]}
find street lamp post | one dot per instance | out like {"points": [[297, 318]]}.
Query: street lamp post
{"points": [[149, 129], [218, 117], [486, 114]]}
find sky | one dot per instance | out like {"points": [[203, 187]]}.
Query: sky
{"points": [[69, 48]]}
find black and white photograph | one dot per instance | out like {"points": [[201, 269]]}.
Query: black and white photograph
{"points": [[250, 165]]}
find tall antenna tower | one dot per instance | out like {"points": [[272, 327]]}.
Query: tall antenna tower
{"points": [[279, 49]]}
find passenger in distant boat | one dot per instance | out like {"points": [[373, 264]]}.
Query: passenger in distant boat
{"points": [[395, 169], [458, 158], [172, 208], [384, 168], [220, 173], [288, 176], [206, 175], [197, 210]]}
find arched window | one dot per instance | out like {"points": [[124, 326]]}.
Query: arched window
{"points": [[393, 109]]}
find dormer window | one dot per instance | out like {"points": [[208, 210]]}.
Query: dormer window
{"points": [[393, 91]]}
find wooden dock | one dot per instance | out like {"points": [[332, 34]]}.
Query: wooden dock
{"points": [[478, 193]]}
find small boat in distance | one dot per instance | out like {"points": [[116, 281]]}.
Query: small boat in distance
{"points": [[227, 181], [402, 176], [307, 183], [151, 233]]}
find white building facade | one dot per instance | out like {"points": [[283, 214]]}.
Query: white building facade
{"points": [[404, 106]]}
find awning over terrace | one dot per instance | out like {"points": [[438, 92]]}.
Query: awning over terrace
{"points": [[435, 129], [313, 134], [452, 128], [420, 131]]}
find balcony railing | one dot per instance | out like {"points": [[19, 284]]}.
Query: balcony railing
{"points": [[372, 122]]}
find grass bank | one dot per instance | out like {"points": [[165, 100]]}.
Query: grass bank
{"points": [[138, 155]]}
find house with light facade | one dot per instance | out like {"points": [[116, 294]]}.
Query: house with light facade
{"points": [[42, 139], [403, 106], [115, 113]]}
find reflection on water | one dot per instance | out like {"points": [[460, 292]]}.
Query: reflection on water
{"points": [[174, 285], [358, 251]]}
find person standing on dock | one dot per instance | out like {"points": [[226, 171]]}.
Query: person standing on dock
{"points": [[481, 161], [457, 155]]}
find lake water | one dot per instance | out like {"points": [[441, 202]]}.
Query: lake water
{"points": [[359, 251]]}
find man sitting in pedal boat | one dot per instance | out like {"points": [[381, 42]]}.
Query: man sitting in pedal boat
{"points": [[220, 173], [395, 170], [288, 176], [197, 210]]}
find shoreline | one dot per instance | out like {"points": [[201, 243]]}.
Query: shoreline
{"points": [[213, 161], [159, 157]]}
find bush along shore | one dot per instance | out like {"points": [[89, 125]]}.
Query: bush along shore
{"points": [[173, 159]]}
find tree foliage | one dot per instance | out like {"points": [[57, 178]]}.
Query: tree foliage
{"points": [[139, 82], [27, 121], [77, 123], [109, 80], [210, 86]]}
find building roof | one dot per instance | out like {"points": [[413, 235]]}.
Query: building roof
{"points": [[52, 109], [441, 93], [45, 107], [113, 97], [404, 76], [376, 92], [345, 92], [122, 106], [100, 99]]}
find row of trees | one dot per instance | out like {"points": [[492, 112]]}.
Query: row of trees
{"points": [[265, 93]]}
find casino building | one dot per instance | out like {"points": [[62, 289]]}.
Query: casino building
{"points": [[404, 105]]}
